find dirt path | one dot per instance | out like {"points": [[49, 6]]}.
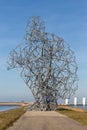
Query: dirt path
{"points": [[46, 120]]}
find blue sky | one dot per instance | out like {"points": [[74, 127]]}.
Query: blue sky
{"points": [[66, 18]]}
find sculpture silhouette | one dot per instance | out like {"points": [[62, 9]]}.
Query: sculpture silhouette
{"points": [[48, 66]]}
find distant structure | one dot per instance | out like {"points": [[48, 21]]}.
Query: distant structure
{"points": [[84, 101], [66, 101], [75, 101]]}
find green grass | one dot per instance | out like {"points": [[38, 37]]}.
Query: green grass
{"points": [[8, 117], [78, 116]]}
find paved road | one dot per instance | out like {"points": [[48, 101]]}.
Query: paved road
{"points": [[45, 120]]}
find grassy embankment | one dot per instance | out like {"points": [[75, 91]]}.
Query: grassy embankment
{"points": [[78, 116], [8, 117]]}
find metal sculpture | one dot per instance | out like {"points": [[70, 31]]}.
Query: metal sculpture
{"points": [[47, 64]]}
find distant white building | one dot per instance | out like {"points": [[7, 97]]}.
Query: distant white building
{"points": [[66, 101], [83, 101], [75, 101]]}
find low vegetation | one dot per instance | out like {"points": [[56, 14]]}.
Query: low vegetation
{"points": [[8, 117], [78, 116]]}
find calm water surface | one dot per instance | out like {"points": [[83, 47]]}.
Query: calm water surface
{"points": [[83, 107], [4, 108]]}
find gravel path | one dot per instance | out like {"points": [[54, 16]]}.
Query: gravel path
{"points": [[45, 120]]}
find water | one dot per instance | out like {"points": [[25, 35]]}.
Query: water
{"points": [[83, 107], [4, 108]]}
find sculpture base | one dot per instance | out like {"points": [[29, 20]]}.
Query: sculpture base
{"points": [[43, 107]]}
